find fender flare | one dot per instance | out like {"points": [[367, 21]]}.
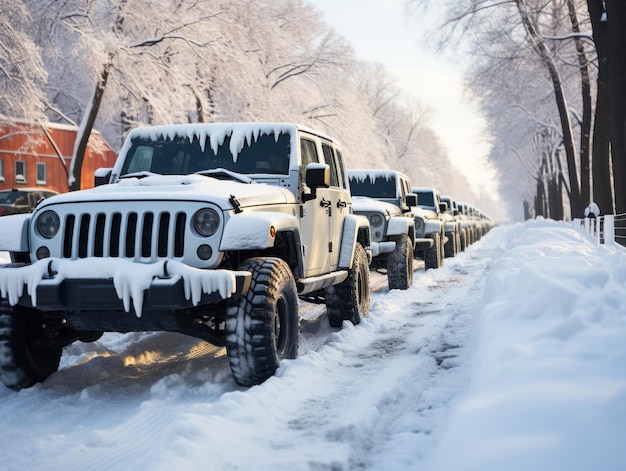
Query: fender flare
{"points": [[401, 225], [355, 229], [253, 230], [14, 233]]}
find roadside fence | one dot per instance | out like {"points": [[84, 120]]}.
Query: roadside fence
{"points": [[609, 229]]}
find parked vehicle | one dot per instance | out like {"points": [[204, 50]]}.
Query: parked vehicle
{"points": [[384, 197], [429, 223], [455, 232], [211, 230], [23, 200]]}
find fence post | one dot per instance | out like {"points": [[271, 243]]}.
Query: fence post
{"points": [[609, 229]]}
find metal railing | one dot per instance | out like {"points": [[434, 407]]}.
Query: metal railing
{"points": [[608, 230]]}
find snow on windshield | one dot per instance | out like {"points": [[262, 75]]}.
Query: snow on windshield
{"points": [[372, 183], [182, 149]]}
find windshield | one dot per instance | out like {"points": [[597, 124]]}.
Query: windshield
{"points": [[425, 198], [376, 187], [180, 156]]}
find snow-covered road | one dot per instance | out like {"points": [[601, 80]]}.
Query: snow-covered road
{"points": [[384, 395], [358, 396]]}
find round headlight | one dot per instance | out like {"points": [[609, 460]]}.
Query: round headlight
{"points": [[376, 220], [48, 224], [206, 222]]}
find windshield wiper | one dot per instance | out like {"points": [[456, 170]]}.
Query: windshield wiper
{"points": [[223, 174], [140, 175]]}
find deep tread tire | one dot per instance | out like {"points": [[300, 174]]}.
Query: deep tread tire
{"points": [[400, 264], [263, 326], [350, 300], [25, 358], [432, 256], [449, 250]]}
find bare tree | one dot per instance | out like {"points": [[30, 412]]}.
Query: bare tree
{"points": [[502, 34], [616, 88]]}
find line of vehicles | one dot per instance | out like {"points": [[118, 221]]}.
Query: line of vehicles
{"points": [[215, 231], [408, 221]]}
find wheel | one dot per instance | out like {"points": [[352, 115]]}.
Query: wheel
{"points": [[432, 256], [449, 249], [400, 264], [463, 239], [26, 358], [263, 326], [350, 299]]}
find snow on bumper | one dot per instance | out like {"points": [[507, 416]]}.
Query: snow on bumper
{"points": [[54, 284], [382, 247]]}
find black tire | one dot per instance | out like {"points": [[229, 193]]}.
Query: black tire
{"points": [[463, 240], [449, 250], [432, 256], [350, 300], [400, 264], [263, 326], [26, 358]]}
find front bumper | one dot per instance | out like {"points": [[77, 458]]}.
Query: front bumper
{"points": [[117, 285]]}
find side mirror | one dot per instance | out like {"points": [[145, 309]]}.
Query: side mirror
{"points": [[443, 207], [102, 176], [411, 200], [456, 212], [317, 176]]}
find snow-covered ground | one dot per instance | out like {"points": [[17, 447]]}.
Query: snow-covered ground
{"points": [[511, 356]]}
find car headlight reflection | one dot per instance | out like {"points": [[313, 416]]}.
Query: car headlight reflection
{"points": [[206, 221], [48, 224]]}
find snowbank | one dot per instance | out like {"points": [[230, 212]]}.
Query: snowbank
{"points": [[548, 388]]}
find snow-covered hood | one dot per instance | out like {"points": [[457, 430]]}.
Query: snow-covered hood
{"points": [[361, 204], [179, 188], [423, 212]]}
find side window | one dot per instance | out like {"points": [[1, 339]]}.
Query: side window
{"points": [[343, 176], [20, 171], [329, 157], [42, 174], [308, 152], [1, 170]]}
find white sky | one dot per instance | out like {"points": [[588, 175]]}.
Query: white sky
{"points": [[380, 31]]}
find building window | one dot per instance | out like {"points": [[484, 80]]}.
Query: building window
{"points": [[1, 170], [20, 171], [42, 173]]}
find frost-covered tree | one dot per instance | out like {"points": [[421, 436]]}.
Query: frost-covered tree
{"points": [[528, 56], [21, 70]]}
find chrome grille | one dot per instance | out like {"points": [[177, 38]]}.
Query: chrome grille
{"points": [[134, 235]]}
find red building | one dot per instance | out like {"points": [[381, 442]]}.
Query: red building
{"points": [[34, 157]]}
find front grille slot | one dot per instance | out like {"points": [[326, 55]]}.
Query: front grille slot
{"points": [[135, 235]]}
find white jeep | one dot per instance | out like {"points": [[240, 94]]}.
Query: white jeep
{"points": [[211, 230], [429, 224], [385, 198]]}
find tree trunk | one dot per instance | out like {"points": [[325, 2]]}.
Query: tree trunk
{"points": [[616, 85], [576, 206], [585, 125], [601, 160], [84, 132]]}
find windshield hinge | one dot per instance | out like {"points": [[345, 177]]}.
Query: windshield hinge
{"points": [[235, 203]]}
